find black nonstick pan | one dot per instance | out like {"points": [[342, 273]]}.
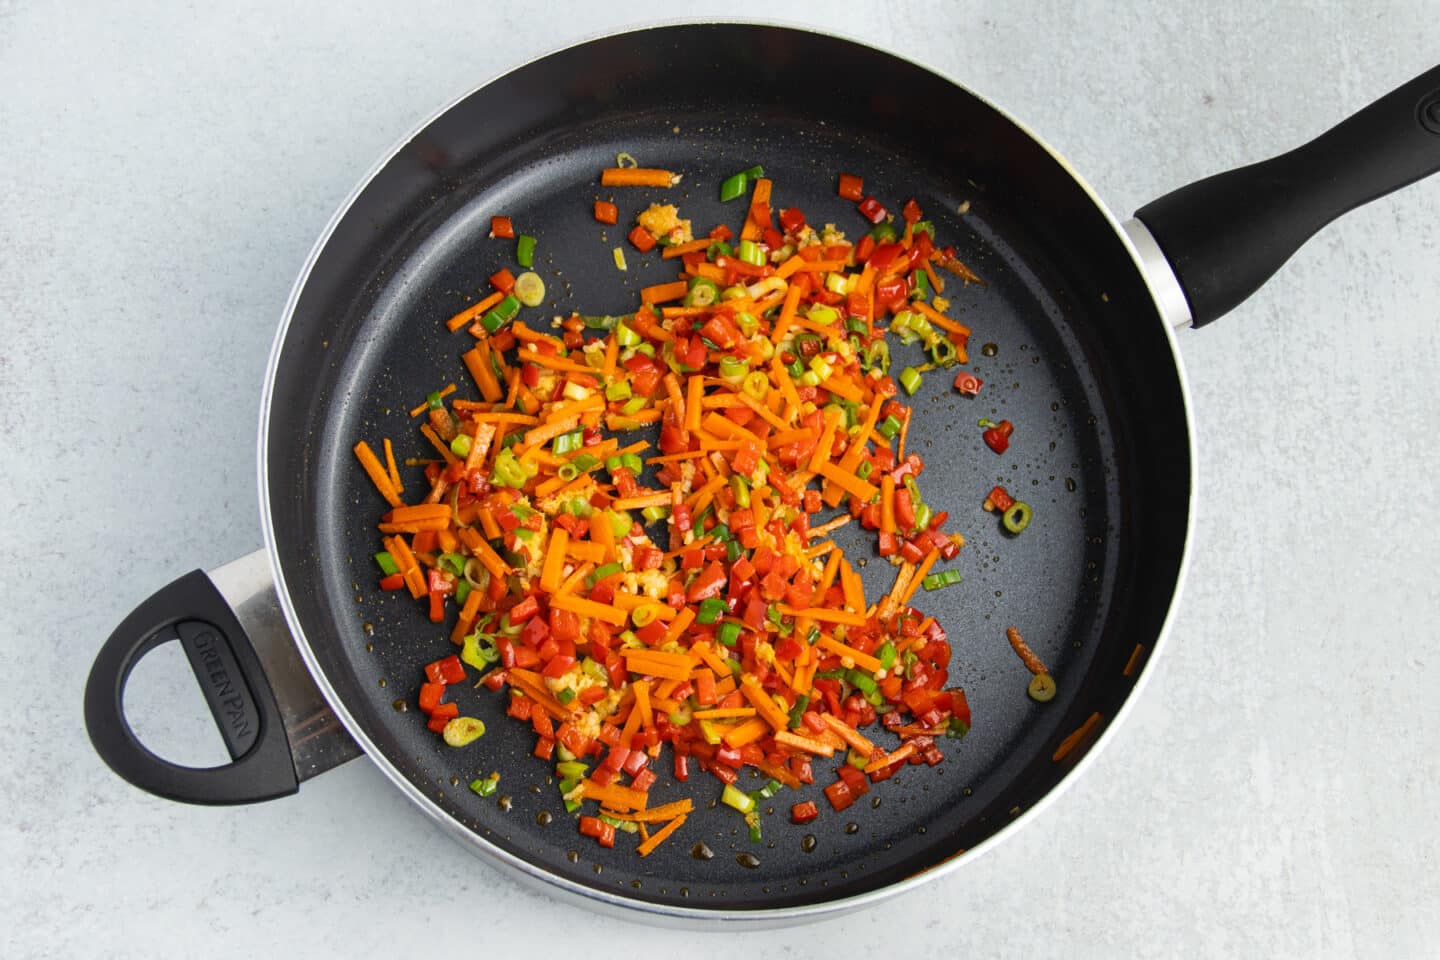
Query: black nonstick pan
{"points": [[1072, 334]]}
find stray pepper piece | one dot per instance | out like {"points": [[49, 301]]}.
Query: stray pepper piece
{"points": [[997, 438]]}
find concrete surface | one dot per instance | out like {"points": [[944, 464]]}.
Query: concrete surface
{"points": [[164, 169]]}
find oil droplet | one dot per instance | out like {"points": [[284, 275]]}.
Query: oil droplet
{"points": [[989, 349], [808, 843], [369, 628], [598, 868], [635, 884], [382, 681], [369, 648], [852, 827], [400, 706], [701, 850], [1070, 484], [505, 803], [874, 803], [572, 855], [684, 891], [454, 781], [747, 860], [920, 829], [543, 818], [1054, 406]]}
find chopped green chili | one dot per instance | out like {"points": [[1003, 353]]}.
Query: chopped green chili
{"points": [[944, 578], [710, 610], [1017, 518], [386, 563], [910, 379], [728, 634], [501, 314], [525, 250], [888, 427]]}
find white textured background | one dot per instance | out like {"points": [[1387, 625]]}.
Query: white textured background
{"points": [[163, 172]]}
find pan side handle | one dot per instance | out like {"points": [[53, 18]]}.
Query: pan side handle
{"points": [[276, 725], [1224, 236]]}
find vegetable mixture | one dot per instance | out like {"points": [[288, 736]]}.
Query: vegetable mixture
{"points": [[678, 601]]}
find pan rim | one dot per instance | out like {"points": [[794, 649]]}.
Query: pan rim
{"points": [[632, 908]]}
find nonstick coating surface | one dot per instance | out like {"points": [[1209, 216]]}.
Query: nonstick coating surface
{"points": [[1081, 367]]}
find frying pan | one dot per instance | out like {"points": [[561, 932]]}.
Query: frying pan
{"points": [[304, 663]]}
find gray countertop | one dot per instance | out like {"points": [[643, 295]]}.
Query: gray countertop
{"points": [[164, 170]]}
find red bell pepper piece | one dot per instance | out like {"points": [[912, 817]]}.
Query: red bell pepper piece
{"points": [[839, 795], [502, 228], [451, 669], [911, 211], [997, 438], [871, 210], [396, 581], [968, 383], [851, 187], [503, 280], [1000, 498], [642, 239], [606, 212], [792, 219], [445, 711], [709, 583]]}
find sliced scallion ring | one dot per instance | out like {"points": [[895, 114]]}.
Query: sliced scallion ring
{"points": [[530, 289], [1017, 518], [1042, 688]]}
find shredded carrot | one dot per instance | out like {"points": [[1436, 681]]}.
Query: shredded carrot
{"points": [[473, 311], [845, 651], [680, 249], [377, 474], [637, 177], [1074, 739], [807, 744], [903, 752], [1022, 650], [392, 471], [659, 836], [920, 573], [666, 811]]}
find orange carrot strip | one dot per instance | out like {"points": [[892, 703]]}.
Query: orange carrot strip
{"points": [[642, 323], [390, 468], [473, 311], [817, 266], [679, 625], [1074, 739], [665, 811], [659, 836], [655, 668], [630, 601], [759, 207], [429, 433], [920, 573], [940, 320], [844, 651], [584, 550], [642, 501], [863, 490], [680, 249], [850, 735], [821, 456], [409, 566], [718, 664], [479, 445], [489, 559], [612, 354], [664, 292], [902, 752], [415, 526], [377, 474], [488, 524], [637, 177], [448, 389], [806, 744], [642, 702], [614, 795], [589, 608], [554, 565], [467, 616], [1032, 661], [787, 314], [722, 713], [571, 583], [750, 688], [747, 732], [694, 402], [478, 363], [420, 511], [853, 586], [1132, 662], [554, 363], [549, 430], [832, 567], [780, 375], [526, 335], [627, 421], [841, 386]]}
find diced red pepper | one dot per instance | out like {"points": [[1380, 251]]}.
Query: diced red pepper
{"points": [[437, 724], [839, 795], [642, 239], [709, 583], [503, 280], [911, 211], [591, 826], [502, 228], [396, 581], [607, 834], [606, 212], [792, 219], [445, 711], [997, 438], [430, 694], [968, 383], [871, 210], [851, 187], [1000, 498], [451, 669], [544, 748]]}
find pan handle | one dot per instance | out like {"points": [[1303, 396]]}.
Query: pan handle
{"points": [[1225, 235], [276, 725]]}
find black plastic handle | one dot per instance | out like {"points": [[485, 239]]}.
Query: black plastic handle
{"points": [[1226, 235], [192, 610]]}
